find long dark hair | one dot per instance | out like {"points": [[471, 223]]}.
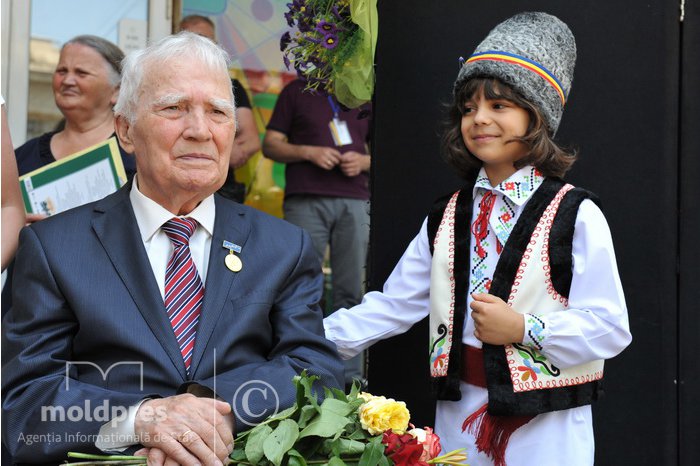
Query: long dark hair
{"points": [[543, 153]]}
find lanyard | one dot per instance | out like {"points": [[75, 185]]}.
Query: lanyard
{"points": [[334, 106]]}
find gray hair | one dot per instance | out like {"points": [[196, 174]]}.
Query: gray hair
{"points": [[112, 54], [184, 46]]}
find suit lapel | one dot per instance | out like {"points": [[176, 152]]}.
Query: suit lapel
{"points": [[230, 225], [115, 226]]}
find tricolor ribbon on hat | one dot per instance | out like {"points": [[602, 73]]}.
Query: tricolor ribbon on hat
{"points": [[493, 55]]}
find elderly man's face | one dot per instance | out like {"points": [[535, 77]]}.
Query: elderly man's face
{"points": [[182, 134]]}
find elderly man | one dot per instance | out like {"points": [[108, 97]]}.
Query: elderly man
{"points": [[162, 316]]}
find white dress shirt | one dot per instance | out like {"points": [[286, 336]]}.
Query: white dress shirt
{"points": [[150, 216]]}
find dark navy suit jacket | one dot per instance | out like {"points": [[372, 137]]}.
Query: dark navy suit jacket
{"points": [[88, 332]]}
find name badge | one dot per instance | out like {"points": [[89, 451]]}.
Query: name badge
{"points": [[340, 132]]}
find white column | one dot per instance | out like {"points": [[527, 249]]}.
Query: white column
{"points": [[160, 17], [15, 65]]}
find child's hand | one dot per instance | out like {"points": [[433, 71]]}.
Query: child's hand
{"points": [[495, 321]]}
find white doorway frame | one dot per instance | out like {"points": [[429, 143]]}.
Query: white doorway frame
{"points": [[15, 30]]}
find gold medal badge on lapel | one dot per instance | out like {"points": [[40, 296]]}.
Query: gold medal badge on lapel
{"points": [[232, 261]]}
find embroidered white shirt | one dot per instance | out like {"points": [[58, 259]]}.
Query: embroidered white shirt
{"points": [[511, 196]]}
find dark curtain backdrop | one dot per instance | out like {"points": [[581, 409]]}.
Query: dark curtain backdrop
{"points": [[624, 116], [689, 318]]}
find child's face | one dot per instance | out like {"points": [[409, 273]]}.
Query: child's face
{"points": [[490, 128]]}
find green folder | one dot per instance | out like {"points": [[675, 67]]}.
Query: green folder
{"points": [[77, 179]]}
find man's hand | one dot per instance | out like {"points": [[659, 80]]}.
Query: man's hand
{"points": [[186, 430], [156, 457], [238, 156], [495, 321], [353, 163], [324, 157], [247, 141]]}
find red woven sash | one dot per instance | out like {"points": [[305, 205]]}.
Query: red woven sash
{"points": [[491, 432]]}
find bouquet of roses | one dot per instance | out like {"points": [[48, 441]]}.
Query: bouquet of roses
{"points": [[354, 428]]}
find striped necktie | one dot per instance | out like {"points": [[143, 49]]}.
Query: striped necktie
{"points": [[184, 292]]}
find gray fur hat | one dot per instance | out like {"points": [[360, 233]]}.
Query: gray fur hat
{"points": [[532, 52]]}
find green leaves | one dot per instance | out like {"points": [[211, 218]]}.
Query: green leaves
{"points": [[295, 458], [332, 419], [374, 453], [335, 461], [254, 446], [309, 433], [346, 447], [97, 460], [305, 393], [327, 424], [280, 441]]}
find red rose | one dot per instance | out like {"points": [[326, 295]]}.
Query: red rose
{"points": [[403, 450], [429, 440]]}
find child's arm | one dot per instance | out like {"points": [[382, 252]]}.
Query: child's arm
{"points": [[594, 326], [403, 302]]}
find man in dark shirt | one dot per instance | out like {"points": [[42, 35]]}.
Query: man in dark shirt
{"points": [[327, 192]]}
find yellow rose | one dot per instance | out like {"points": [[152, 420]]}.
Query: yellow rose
{"points": [[380, 414], [366, 396]]}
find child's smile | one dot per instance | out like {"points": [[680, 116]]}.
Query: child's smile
{"points": [[490, 129]]}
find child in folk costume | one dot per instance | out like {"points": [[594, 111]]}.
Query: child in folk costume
{"points": [[516, 270]]}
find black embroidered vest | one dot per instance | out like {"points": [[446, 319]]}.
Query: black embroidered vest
{"points": [[503, 400]]}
